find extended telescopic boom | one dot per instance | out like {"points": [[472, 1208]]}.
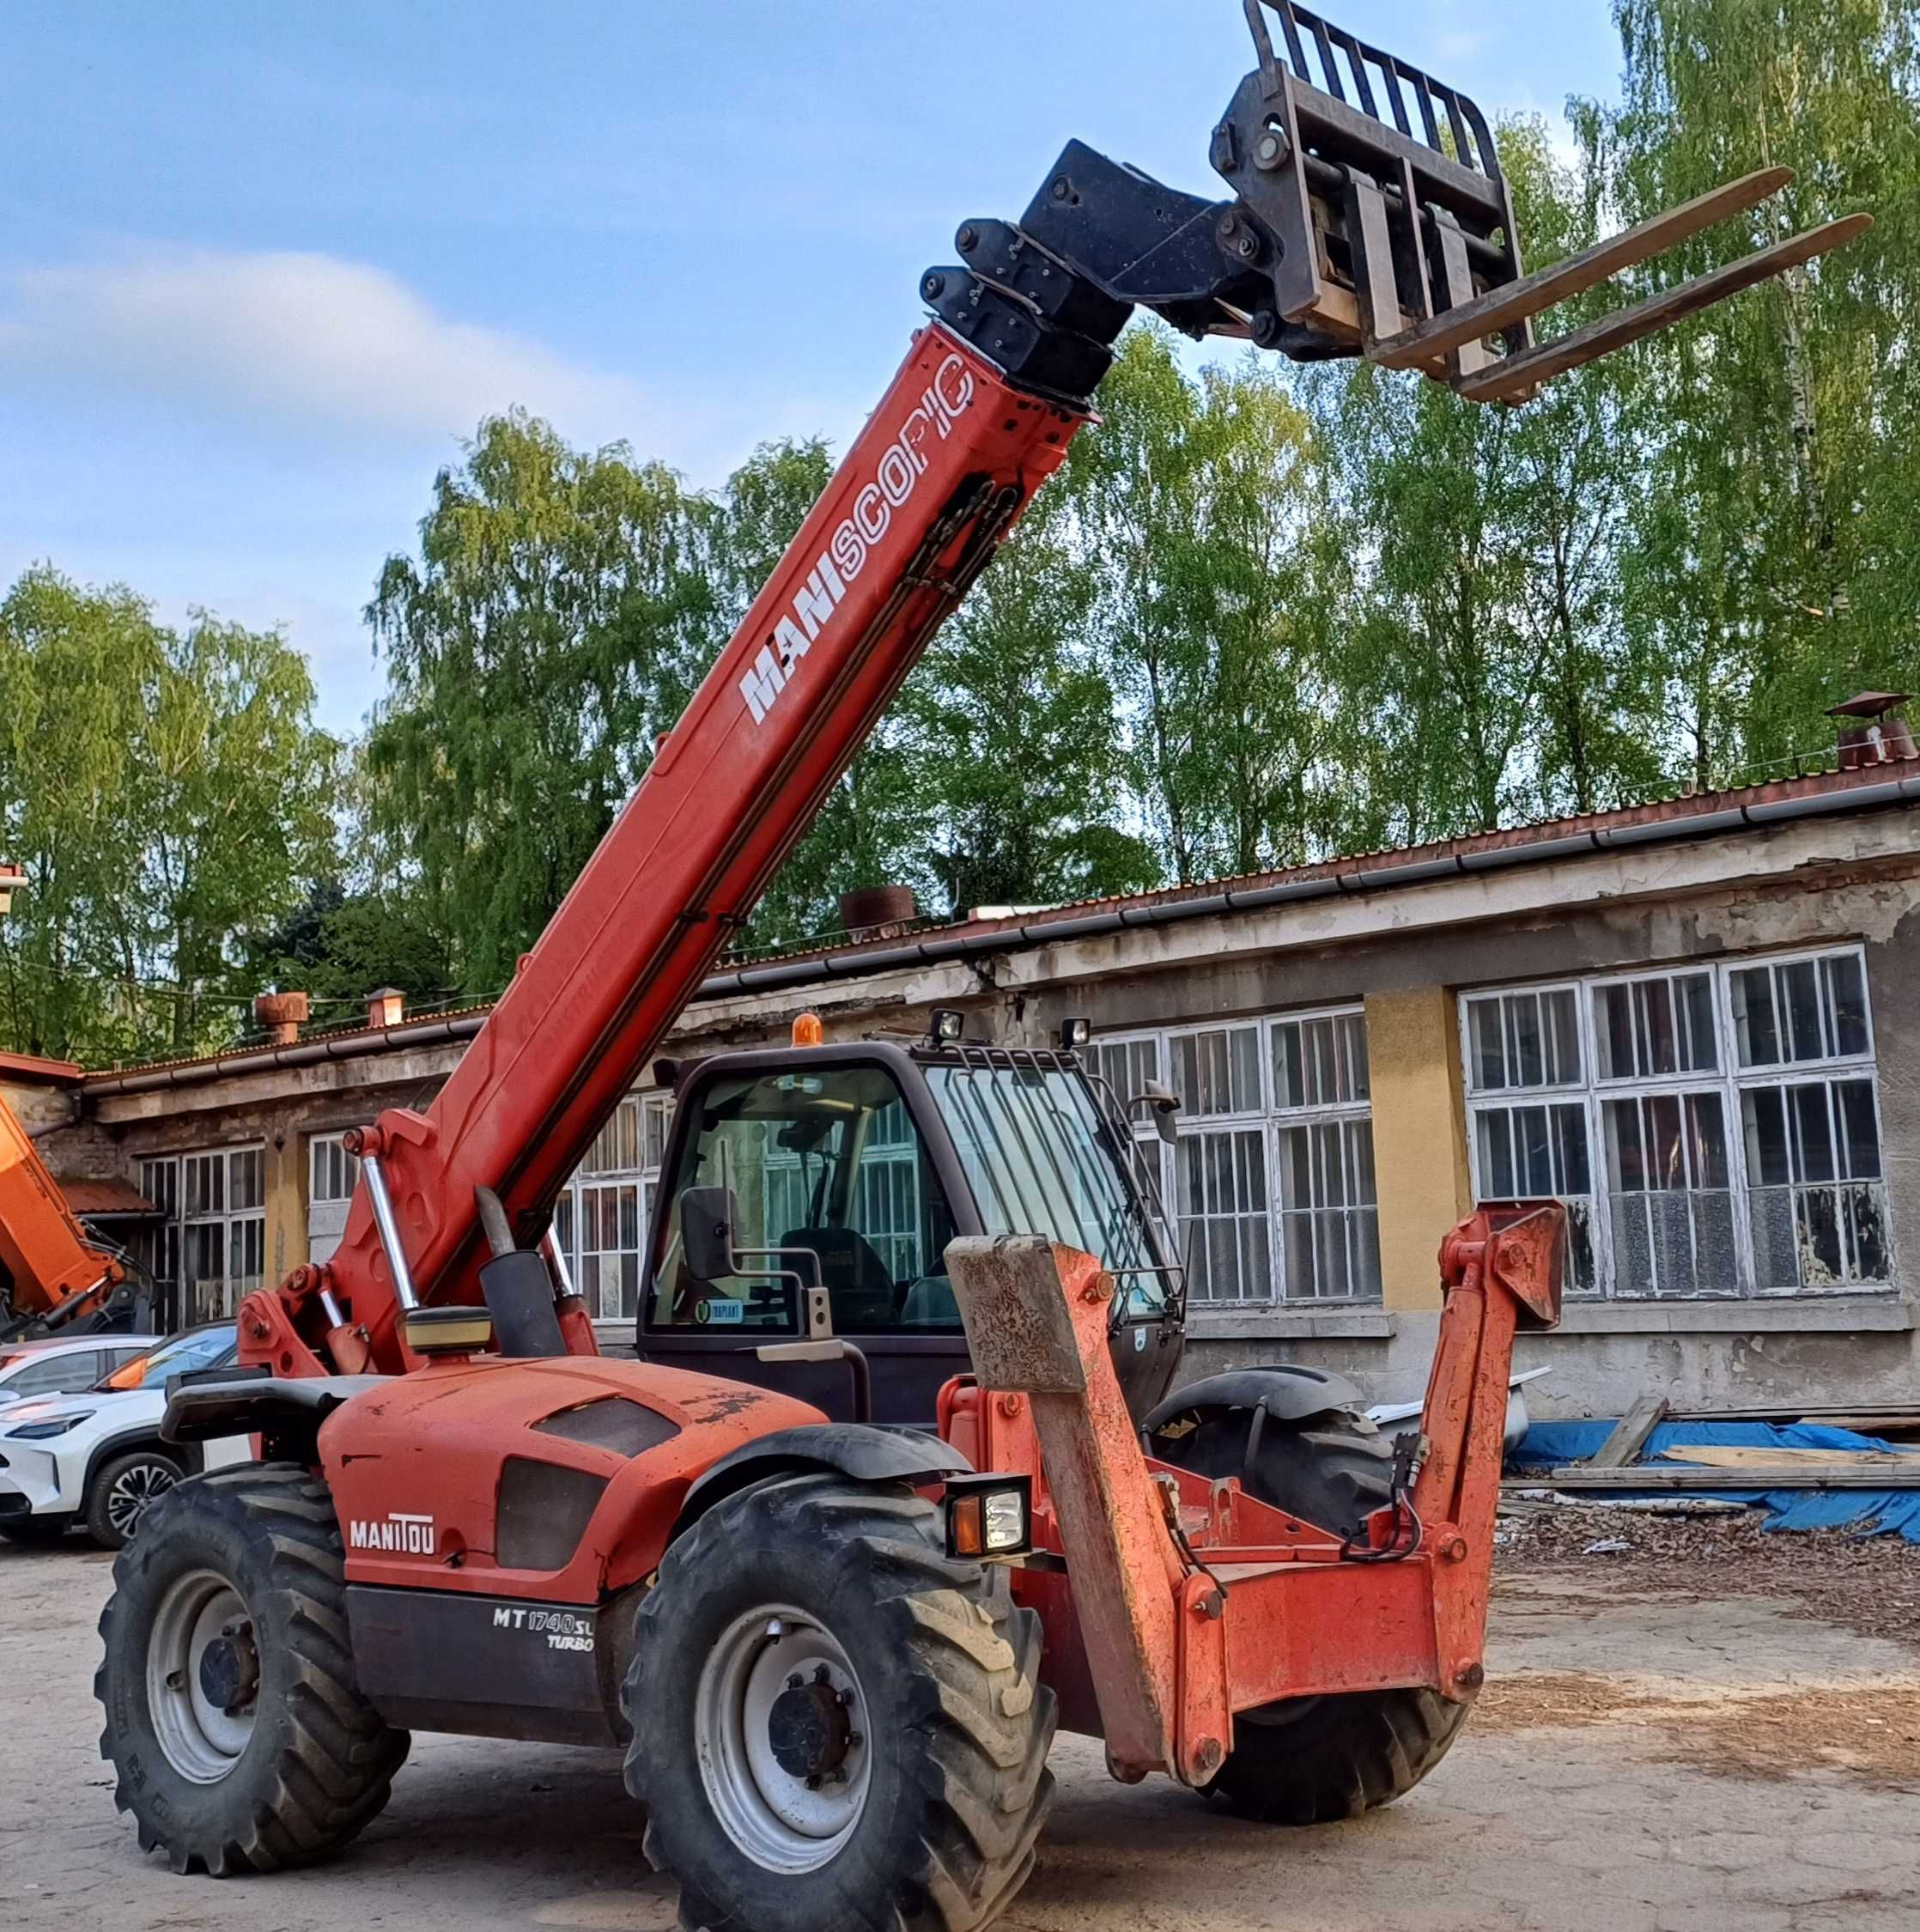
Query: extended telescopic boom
{"points": [[1367, 215]]}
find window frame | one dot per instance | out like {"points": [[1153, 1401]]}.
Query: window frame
{"points": [[176, 1232], [1729, 1080], [1271, 1119], [648, 1105]]}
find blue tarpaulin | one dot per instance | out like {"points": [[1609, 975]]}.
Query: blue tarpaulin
{"points": [[1873, 1512]]}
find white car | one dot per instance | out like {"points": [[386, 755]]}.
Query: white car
{"points": [[64, 1368], [97, 1459]]}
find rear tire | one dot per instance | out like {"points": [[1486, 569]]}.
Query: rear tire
{"points": [[123, 1491], [1316, 1760], [239, 1736], [844, 1600]]}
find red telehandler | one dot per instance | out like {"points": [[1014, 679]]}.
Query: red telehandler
{"points": [[835, 1654]]}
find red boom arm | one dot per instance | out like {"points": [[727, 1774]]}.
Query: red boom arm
{"points": [[931, 488]]}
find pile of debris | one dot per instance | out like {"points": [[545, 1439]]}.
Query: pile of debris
{"points": [[1661, 1545]]}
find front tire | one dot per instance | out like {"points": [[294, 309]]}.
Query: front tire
{"points": [[239, 1736], [1316, 1760], [123, 1491], [836, 1728]]}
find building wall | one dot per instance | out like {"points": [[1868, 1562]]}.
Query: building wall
{"points": [[1407, 958]]}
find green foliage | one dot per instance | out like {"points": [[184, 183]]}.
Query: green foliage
{"points": [[1770, 567], [339, 947], [166, 793], [546, 634]]}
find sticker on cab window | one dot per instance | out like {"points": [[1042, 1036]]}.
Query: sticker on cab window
{"points": [[712, 1313]]}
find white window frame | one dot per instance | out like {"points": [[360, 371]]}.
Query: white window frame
{"points": [[1271, 1119], [1729, 1081], [337, 1161], [195, 1305], [641, 1126]]}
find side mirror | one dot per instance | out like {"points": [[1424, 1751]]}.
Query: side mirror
{"points": [[1166, 1103], [709, 1219]]}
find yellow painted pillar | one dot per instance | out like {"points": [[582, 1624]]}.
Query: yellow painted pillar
{"points": [[286, 1182], [1419, 1137]]}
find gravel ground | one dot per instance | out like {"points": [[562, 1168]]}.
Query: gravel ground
{"points": [[1712, 1732]]}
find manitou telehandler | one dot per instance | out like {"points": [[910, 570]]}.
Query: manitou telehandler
{"points": [[835, 1654]]}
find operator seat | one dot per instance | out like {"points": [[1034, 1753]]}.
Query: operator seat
{"points": [[854, 1275]]}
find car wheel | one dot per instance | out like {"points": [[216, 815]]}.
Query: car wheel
{"points": [[123, 1491]]}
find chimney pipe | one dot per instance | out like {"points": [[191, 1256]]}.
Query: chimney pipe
{"points": [[1873, 730], [877, 912], [386, 1006], [282, 1015]]}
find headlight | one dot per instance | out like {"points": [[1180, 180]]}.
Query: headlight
{"points": [[989, 1517], [38, 1431]]}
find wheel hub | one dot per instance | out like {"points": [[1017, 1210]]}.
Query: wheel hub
{"points": [[203, 1676], [781, 1731], [230, 1669], [809, 1728]]}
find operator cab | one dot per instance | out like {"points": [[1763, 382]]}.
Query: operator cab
{"points": [[851, 1168]]}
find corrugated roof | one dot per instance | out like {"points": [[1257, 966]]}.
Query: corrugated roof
{"points": [[105, 1196]]}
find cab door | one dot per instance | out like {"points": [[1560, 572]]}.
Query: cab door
{"points": [[833, 1181]]}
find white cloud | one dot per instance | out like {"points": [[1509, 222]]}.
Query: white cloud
{"points": [[301, 341]]}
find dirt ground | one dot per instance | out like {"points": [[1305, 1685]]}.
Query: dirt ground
{"points": [[1712, 1731]]}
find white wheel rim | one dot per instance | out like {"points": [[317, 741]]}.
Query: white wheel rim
{"points": [[783, 1821], [134, 1491], [203, 1738]]}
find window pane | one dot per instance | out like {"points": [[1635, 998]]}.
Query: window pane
{"points": [[1654, 1014], [1799, 1001], [1866, 1216], [1859, 1130], [1707, 1136], [1755, 1031], [1526, 1047], [1699, 1044], [1764, 1121], [1289, 1077], [1486, 1046], [1846, 999], [1359, 1072], [1563, 1037], [1614, 1031], [1496, 1150], [1812, 1133]]}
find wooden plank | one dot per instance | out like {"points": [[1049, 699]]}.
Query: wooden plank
{"points": [[1515, 377], [1629, 1434], [1670, 1476], [1504, 307], [1728, 1456]]}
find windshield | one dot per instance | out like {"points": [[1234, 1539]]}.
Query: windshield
{"points": [[828, 1167], [203, 1348], [1041, 1158]]}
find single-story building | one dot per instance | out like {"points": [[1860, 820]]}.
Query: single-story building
{"points": [[1696, 1022]]}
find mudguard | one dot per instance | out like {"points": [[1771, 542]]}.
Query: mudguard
{"points": [[1287, 1391], [857, 1450]]}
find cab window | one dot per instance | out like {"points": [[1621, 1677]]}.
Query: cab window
{"points": [[829, 1166]]}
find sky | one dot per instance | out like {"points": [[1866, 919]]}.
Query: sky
{"points": [[261, 271]]}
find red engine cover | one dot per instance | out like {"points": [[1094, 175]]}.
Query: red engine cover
{"points": [[573, 1469]]}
